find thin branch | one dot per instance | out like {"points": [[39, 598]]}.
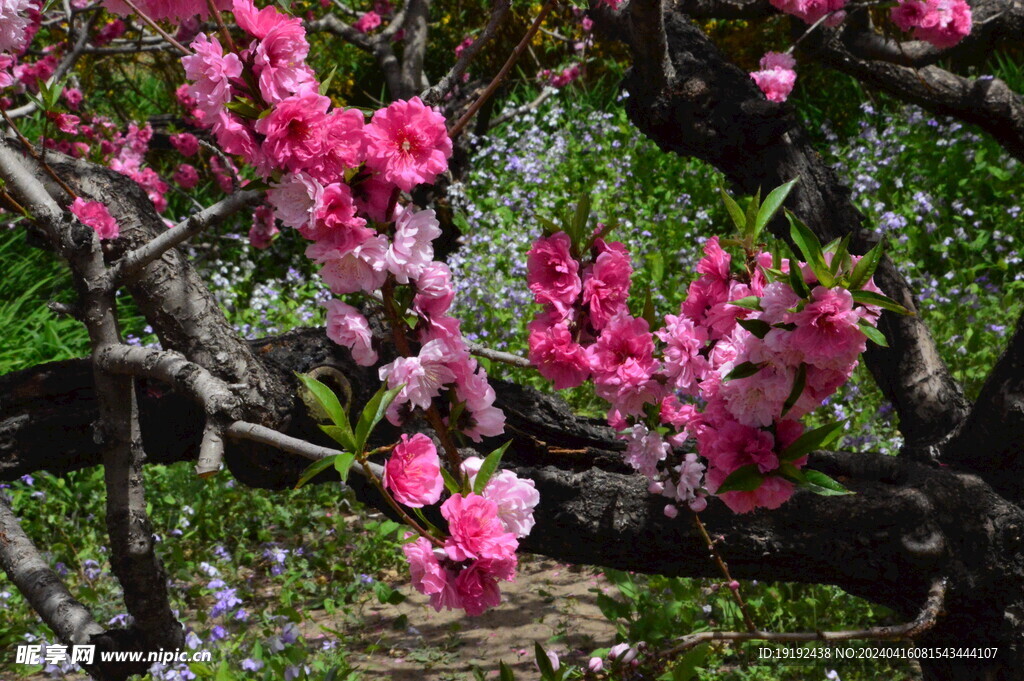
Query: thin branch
{"points": [[242, 430], [435, 94], [923, 622], [134, 262], [546, 93], [724, 569], [499, 356], [156, 27], [457, 129]]}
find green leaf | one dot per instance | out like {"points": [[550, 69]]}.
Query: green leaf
{"points": [[385, 594], [751, 217], [744, 370], [865, 267], [373, 412], [810, 247], [325, 84], [811, 440], [244, 108], [224, 673], [743, 479], [504, 673], [315, 469], [757, 327], [340, 435], [686, 667], [488, 467], [819, 483], [750, 303], [547, 672], [326, 398], [343, 463], [872, 333], [656, 263], [796, 279], [799, 382], [450, 483], [648, 314], [877, 299], [734, 210], [580, 218], [839, 256], [771, 206]]}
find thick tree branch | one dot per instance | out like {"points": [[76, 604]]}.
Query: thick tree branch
{"points": [[997, 419]]}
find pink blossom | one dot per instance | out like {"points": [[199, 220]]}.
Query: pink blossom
{"points": [[413, 471], [294, 199], [186, 143], [475, 529], [73, 97], [347, 327], [263, 229], [111, 31], [826, 329], [344, 146], [373, 196], [67, 123], [279, 60], [515, 497], [186, 176], [434, 291], [94, 214], [334, 218], [366, 23], [408, 144], [210, 71], [294, 130], [606, 283], [557, 357], [466, 42], [944, 23], [757, 400], [810, 11], [644, 449], [477, 585], [732, 445], [14, 25], [257, 23], [772, 493], [422, 376], [776, 77], [171, 10], [623, 363], [411, 248], [235, 137], [683, 362], [552, 271], [361, 269], [428, 576]]}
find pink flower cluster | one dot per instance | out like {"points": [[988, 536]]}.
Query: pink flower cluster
{"points": [[464, 569], [813, 10], [559, 79], [170, 10], [776, 77], [743, 419], [943, 23], [14, 24], [94, 214]]}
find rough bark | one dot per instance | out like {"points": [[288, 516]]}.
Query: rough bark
{"points": [[907, 524]]}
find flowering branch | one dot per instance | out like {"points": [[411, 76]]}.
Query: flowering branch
{"points": [[732, 584]]}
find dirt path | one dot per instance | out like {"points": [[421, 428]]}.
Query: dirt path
{"points": [[549, 603]]}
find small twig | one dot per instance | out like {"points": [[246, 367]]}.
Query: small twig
{"points": [[153, 25], [519, 111], [32, 152], [135, 261], [724, 569], [457, 129], [499, 356], [923, 622], [215, 13], [243, 430], [433, 96]]}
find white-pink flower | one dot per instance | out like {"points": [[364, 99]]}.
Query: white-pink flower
{"points": [[348, 327], [210, 71], [411, 249], [515, 497], [422, 376]]}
